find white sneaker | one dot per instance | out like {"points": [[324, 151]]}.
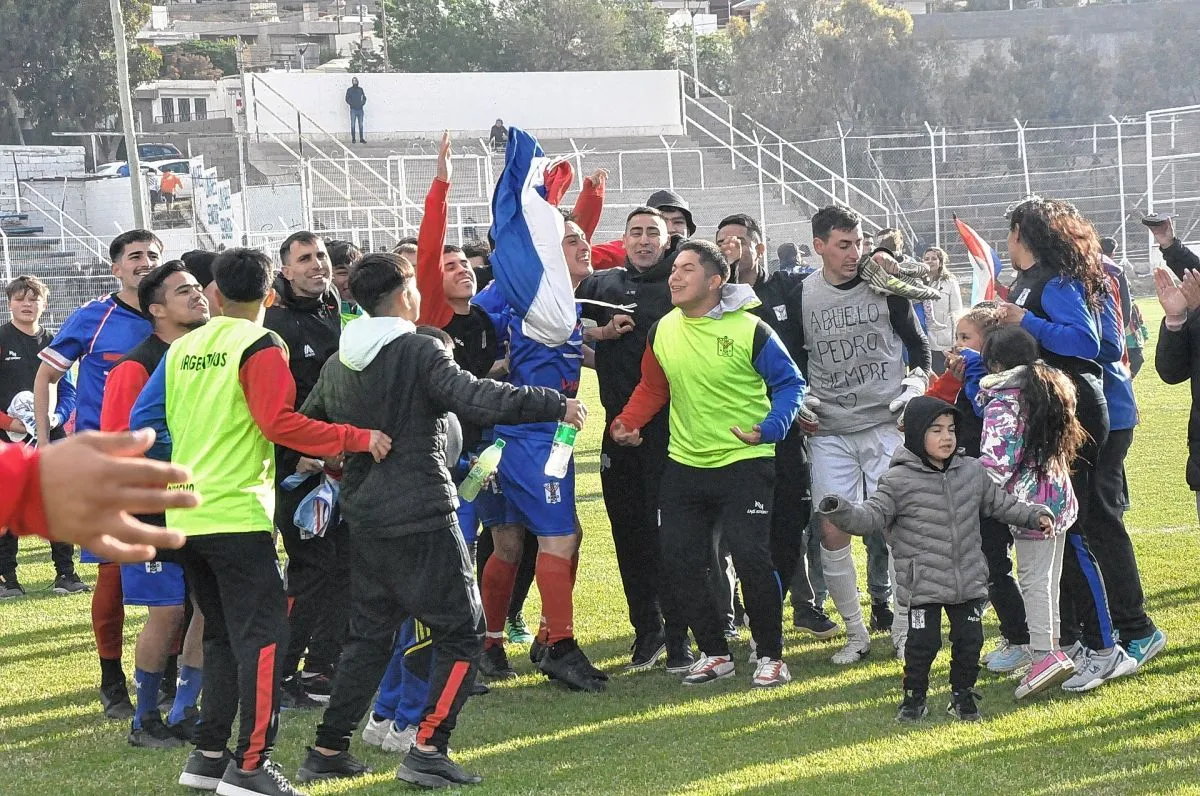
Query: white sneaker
{"points": [[376, 731], [400, 741], [855, 650], [771, 674], [708, 669], [1009, 658], [1099, 669], [1078, 654]]}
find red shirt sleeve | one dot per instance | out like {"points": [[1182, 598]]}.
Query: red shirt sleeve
{"points": [[588, 207], [650, 395], [5, 420], [121, 390], [21, 508], [271, 393], [946, 387], [608, 255], [431, 239]]}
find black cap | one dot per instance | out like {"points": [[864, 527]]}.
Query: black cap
{"points": [[665, 198], [1156, 219]]}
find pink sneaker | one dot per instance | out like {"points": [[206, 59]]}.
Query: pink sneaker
{"points": [[1052, 669]]}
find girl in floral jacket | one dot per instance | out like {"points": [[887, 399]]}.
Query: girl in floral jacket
{"points": [[1030, 435]]}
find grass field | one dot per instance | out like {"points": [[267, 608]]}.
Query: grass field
{"points": [[830, 731]]}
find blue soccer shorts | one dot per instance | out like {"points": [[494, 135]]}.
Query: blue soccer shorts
{"points": [[153, 583], [524, 495]]}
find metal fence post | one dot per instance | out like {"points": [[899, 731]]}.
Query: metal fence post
{"points": [[937, 209], [782, 176], [732, 162], [1150, 247], [845, 170], [1024, 152], [1121, 185], [7, 262], [762, 199]]}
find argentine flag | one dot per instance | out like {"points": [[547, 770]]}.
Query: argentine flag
{"points": [[527, 230]]}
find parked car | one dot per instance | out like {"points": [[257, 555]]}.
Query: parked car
{"points": [[181, 168], [151, 151]]}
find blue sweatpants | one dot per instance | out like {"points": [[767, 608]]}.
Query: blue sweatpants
{"points": [[404, 689]]}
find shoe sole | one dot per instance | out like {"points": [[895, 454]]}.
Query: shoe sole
{"points": [[655, 658], [321, 698], [772, 684], [712, 679], [680, 669], [422, 779], [905, 720], [1056, 678], [821, 635], [969, 719], [198, 782], [861, 656], [1093, 684]]}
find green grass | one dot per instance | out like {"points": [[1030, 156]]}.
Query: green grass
{"points": [[830, 731]]}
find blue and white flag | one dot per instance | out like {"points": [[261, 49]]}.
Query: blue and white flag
{"points": [[528, 264]]}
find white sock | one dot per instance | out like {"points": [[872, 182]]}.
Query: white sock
{"points": [[842, 582]]}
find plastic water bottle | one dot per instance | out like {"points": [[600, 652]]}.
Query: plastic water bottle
{"points": [[483, 468], [561, 450]]}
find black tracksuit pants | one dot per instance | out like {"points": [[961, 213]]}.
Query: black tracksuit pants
{"points": [[1003, 591], [789, 517], [61, 553], [925, 639], [318, 585], [426, 576], [736, 499], [236, 582], [630, 480]]}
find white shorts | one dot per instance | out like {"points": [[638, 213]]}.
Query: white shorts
{"points": [[842, 464]]}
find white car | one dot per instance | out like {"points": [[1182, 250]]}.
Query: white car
{"points": [[181, 167]]}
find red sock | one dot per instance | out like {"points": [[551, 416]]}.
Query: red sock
{"points": [[553, 576], [499, 576], [108, 612]]}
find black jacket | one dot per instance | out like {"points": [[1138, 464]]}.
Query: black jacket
{"points": [[780, 294], [619, 362], [355, 97], [405, 390], [1177, 359], [310, 327]]}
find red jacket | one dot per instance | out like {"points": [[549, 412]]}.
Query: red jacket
{"points": [[21, 507]]}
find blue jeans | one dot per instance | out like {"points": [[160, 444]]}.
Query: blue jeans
{"points": [[356, 115]]}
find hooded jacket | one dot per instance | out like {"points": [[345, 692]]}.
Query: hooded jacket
{"points": [[930, 516], [1177, 359], [403, 383], [669, 199]]}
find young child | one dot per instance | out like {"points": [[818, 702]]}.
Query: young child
{"points": [[928, 506], [1030, 435], [970, 331]]}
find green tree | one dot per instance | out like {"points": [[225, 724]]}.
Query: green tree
{"points": [[223, 54], [189, 66], [367, 61], [56, 60], [444, 36]]}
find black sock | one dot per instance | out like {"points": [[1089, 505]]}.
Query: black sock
{"points": [[111, 672]]}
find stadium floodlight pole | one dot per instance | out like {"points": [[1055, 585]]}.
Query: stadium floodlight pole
{"points": [[141, 218]]}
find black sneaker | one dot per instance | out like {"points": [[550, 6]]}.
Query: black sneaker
{"points": [[292, 695], [679, 656], [153, 734], [433, 770], [115, 699], [647, 649], [318, 686], [881, 617], [493, 663], [318, 766], [479, 689], [204, 773], [70, 584], [816, 624], [185, 728], [962, 705], [537, 651], [913, 707], [10, 588], [566, 663], [267, 779]]}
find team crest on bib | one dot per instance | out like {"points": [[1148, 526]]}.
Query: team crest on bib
{"points": [[553, 492], [724, 346], [780, 312]]}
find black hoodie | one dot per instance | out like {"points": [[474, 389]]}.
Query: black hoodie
{"points": [[918, 417]]}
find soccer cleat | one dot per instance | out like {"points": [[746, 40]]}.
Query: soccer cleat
{"points": [[185, 728], [517, 630], [1052, 669], [881, 617], [292, 695], [204, 773], [115, 699], [266, 780], [770, 674], [647, 649], [913, 708], [1098, 669], [962, 704], [679, 656], [70, 584], [566, 663], [708, 669], [433, 770], [10, 588], [816, 624], [1008, 658], [493, 663], [855, 650], [905, 285], [1143, 649], [317, 766], [153, 734]]}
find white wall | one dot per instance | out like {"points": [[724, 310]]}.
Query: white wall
{"points": [[549, 104]]}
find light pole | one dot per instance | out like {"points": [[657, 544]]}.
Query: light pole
{"points": [[141, 218], [695, 50]]}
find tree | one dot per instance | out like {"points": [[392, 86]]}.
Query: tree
{"points": [[222, 54], [446, 36], [56, 59], [368, 61], [189, 66]]}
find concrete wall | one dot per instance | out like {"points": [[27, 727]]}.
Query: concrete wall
{"points": [[29, 162], [550, 104]]}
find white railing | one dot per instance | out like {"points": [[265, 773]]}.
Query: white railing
{"points": [[78, 232]]}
